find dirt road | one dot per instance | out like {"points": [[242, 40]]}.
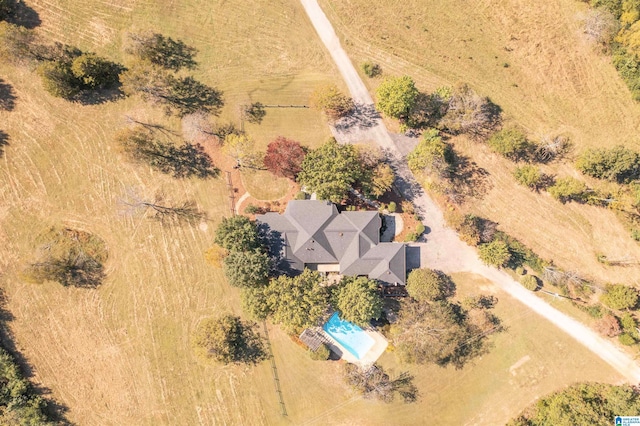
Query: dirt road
{"points": [[443, 249]]}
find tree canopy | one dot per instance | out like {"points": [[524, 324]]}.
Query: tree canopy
{"points": [[228, 339], [428, 285], [617, 164], [237, 233], [511, 143], [434, 332], [163, 51], [529, 176], [396, 96], [582, 404], [495, 253], [330, 171], [567, 189], [295, 302], [284, 157], [431, 154], [247, 268], [330, 100], [620, 296], [358, 300]]}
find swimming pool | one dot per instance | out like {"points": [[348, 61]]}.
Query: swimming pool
{"points": [[350, 336]]}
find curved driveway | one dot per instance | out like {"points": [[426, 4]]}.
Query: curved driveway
{"points": [[443, 249]]}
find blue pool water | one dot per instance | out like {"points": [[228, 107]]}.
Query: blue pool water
{"points": [[349, 335]]}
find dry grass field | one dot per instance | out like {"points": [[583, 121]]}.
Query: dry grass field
{"points": [[121, 354], [532, 60]]}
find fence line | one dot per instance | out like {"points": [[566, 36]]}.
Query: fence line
{"points": [[274, 371], [232, 195]]}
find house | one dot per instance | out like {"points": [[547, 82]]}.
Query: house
{"points": [[313, 234]]}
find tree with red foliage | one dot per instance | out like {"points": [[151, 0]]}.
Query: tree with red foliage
{"points": [[284, 157]]}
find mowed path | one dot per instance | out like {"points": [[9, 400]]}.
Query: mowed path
{"points": [[443, 249]]}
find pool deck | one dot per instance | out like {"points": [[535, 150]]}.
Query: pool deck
{"points": [[379, 346]]}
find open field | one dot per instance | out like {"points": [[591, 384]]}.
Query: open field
{"points": [[121, 354], [533, 61]]}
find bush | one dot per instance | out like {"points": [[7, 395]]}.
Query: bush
{"points": [[495, 253], [427, 285], [252, 209], [626, 339], [420, 229], [617, 164], [608, 325], [568, 189], [301, 195], [411, 237], [629, 324], [511, 143], [371, 69], [320, 354], [529, 176], [619, 296], [392, 207], [530, 282]]}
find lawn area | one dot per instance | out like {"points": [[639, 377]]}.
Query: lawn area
{"points": [[533, 61], [528, 360], [121, 354]]}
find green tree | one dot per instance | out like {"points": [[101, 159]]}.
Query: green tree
{"points": [[247, 268], [163, 51], [58, 80], [358, 300], [240, 148], [530, 282], [381, 180], [95, 72], [396, 96], [529, 176], [620, 296], [330, 171], [567, 189], [428, 285], [431, 154], [495, 253], [228, 339], [582, 404], [617, 164], [237, 233], [297, 302], [330, 100], [371, 69], [434, 332], [511, 143]]}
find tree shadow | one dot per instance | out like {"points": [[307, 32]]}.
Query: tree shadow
{"points": [[363, 116], [101, 96], [7, 96], [4, 141], [467, 179], [23, 15]]}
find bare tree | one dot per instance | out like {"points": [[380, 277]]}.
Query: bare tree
{"points": [[163, 210], [197, 128], [373, 382], [600, 26]]}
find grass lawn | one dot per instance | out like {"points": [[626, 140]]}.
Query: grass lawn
{"points": [[533, 61]]}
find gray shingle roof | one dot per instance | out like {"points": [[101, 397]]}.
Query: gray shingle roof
{"points": [[313, 232]]}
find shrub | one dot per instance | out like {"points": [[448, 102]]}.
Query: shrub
{"points": [[431, 154], [568, 189], [411, 237], [427, 285], [626, 339], [320, 354], [629, 324], [330, 100], [371, 69], [392, 207], [511, 143], [530, 282], [608, 325], [301, 195], [420, 229], [252, 209], [495, 253], [528, 176], [617, 164], [619, 296]]}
